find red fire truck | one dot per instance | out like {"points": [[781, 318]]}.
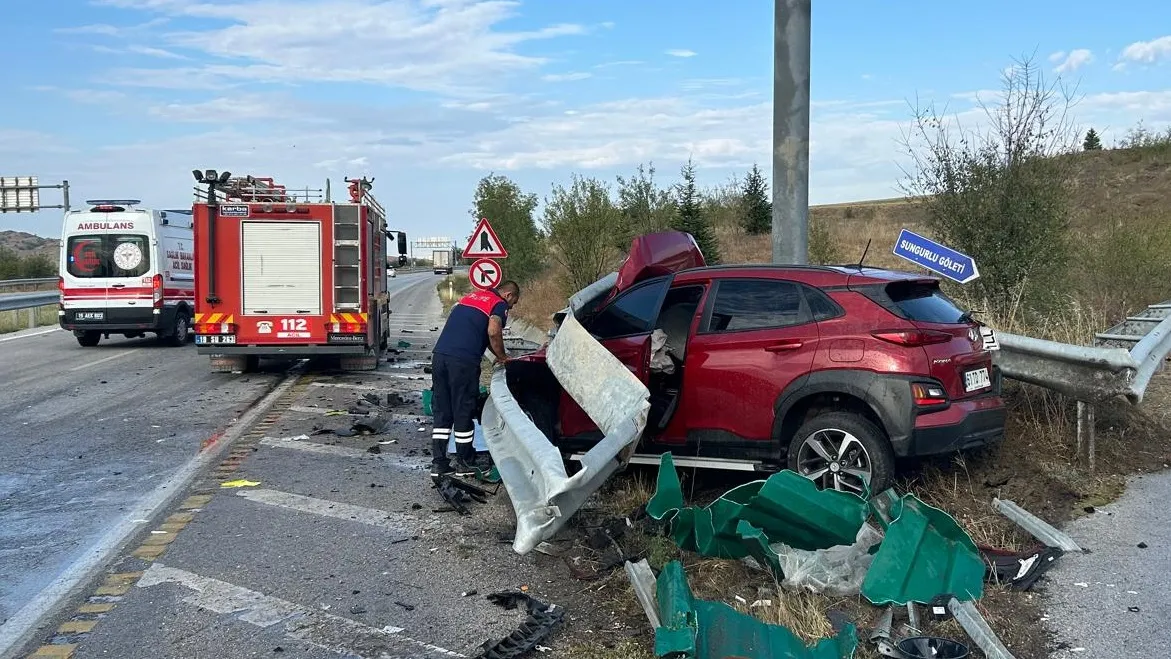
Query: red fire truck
{"points": [[289, 274]]}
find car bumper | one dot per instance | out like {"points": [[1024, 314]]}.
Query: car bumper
{"points": [[963, 425], [229, 350], [118, 320]]}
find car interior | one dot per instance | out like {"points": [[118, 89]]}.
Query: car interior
{"points": [[675, 318]]}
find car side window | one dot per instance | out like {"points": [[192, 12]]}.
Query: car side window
{"points": [[633, 312], [820, 305], [745, 304]]}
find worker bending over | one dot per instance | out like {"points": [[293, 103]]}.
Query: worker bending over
{"points": [[475, 324]]}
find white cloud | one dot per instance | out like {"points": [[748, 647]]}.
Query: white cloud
{"points": [[566, 77], [681, 52], [1147, 52], [1074, 61], [1057, 57]]}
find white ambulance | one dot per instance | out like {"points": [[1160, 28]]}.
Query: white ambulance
{"points": [[127, 270]]}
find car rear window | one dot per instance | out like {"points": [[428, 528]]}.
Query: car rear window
{"points": [[924, 302], [108, 255]]}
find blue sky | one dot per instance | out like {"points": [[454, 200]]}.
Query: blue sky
{"points": [[125, 97]]}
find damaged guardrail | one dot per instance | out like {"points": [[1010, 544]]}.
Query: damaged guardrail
{"points": [[544, 495]]}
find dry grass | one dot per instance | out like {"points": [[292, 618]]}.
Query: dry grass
{"points": [[14, 321], [540, 299], [451, 288]]}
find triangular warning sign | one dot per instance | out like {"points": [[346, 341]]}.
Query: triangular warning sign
{"points": [[484, 243]]}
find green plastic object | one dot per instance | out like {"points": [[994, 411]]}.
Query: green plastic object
{"points": [[404, 344], [747, 519], [699, 629], [923, 555], [427, 402], [493, 475]]}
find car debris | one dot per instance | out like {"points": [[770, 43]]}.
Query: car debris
{"points": [[458, 493], [932, 647], [978, 630], [1036, 527], [1020, 570], [642, 579], [540, 621]]}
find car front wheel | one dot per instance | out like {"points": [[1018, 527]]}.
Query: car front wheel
{"points": [[843, 451]]}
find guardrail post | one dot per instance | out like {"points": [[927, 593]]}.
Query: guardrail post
{"points": [[32, 317], [1085, 432]]}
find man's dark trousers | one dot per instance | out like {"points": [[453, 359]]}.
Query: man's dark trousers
{"points": [[455, 392]]}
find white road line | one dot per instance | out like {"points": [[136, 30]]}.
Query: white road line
{"points": [[23, 624], [323, 630], [31, 334], [336, 509], [340, 451], [105, 359]]}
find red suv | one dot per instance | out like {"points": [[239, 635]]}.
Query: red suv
{"points": [[833, 372]]}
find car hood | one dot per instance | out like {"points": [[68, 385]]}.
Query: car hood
{"points": [[656, 254]]}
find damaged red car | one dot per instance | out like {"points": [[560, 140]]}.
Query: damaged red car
{"points": [[833, 372]]}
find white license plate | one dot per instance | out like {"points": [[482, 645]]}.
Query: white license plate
{"points": [[215, 338], [91, 315], [977, 379]]}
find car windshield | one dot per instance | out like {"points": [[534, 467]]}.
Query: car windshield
{"points": [[108, 255], [924, 302]]}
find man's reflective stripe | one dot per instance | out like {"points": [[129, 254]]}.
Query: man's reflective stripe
{"points": [[465, 437]]}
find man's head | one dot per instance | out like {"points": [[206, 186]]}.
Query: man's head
{"points": [[510, 291]]}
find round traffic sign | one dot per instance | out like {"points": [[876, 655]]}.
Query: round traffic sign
{"points": [[485, 274]]}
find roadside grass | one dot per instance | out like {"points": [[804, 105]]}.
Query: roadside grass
{"points": [[451, 288], [14, 321]]}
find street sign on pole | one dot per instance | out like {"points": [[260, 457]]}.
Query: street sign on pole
{"points": [[937, 258], [22, 194], [485, 274], [484, 243]]}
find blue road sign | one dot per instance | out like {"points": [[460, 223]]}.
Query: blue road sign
{"points": [[937, 258]]}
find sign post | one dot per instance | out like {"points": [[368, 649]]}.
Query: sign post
{"points": [[938, 258], [484, 245], [22, 194]]}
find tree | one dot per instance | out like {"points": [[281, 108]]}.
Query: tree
{"points": [[580, 223], [999, 194], [690, 217], [1093, 142], [510, 210], [645, 207], [756, 208]]}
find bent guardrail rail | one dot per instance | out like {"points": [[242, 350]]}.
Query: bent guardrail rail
{"points": [[544, 496]]}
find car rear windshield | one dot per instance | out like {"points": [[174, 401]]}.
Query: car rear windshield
{"points": [[108, 255], [924, 302]]}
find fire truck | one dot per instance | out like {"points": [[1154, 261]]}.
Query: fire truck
{"points": [[289, 274]]}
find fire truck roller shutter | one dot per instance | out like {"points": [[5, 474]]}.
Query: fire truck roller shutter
{"points": [[281, 267]]}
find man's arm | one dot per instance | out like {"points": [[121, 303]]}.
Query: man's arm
{"points": [[496, 338]]}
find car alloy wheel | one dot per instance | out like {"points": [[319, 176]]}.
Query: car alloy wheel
{"points": [[835, 459]]}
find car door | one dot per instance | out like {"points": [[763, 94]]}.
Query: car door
{"points": [[624, 327], [755, 337]]}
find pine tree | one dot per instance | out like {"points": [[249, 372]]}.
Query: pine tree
{"points": [[1093, 142], [757, 209], [690, 217]]}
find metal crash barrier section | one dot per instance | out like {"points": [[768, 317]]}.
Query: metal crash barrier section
{"points": [[544, 495]]}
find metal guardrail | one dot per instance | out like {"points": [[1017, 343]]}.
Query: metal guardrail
{"points": [[16, 301], [28, 282]]}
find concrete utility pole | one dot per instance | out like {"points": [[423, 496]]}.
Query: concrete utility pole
{"points": [[791, 36]]}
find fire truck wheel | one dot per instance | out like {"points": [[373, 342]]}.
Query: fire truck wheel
{"points": [[181, 330], [88, 339]]}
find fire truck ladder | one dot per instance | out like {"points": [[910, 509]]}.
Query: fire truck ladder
{"points": [[347, 264]]}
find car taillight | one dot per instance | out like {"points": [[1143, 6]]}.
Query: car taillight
{"points": [[926, 395], [157, 289], [912, 338], [61, 291]]}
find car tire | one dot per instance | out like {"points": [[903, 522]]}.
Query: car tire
{"points": [[88, 339], [861, 452], [181, 331]]}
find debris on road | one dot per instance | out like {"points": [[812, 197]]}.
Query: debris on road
{"points": [[540, 621], [458, 493], [1037, 527], [239, 483], [699, 629]]}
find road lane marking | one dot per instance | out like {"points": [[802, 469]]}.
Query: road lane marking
{"points": [[309, 446], [105, 359], [370, 516], [31, 334], [323, 630], [19, 628]]}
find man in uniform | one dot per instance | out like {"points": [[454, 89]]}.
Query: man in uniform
{"points": [[475, 324]]}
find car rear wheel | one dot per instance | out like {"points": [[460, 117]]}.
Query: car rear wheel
{"points": [[843, 451], [89, 338]]}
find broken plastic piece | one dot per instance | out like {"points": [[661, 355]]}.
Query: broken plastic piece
{"points": [[1019, 570], [837, 571], [932, 647], [539, 623], [404, 344], [699, 629], [240, 483]]}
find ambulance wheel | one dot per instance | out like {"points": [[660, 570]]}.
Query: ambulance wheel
{"points": [[180, 331], [88, 338]]}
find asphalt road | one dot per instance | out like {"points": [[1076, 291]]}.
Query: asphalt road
{"points": [[1113, 601], [88, 432]]}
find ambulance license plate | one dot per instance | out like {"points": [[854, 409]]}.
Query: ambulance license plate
{"points": [[977, 379], [214, 338], [90, 315]]}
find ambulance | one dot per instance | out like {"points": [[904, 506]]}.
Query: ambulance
{"points": [[127, 271]]}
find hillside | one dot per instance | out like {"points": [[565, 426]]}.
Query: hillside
{"points": [[25, 244]]}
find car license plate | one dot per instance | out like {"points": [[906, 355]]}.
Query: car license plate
{"points": [[977, 379], [90, 315], [215, 338]]}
